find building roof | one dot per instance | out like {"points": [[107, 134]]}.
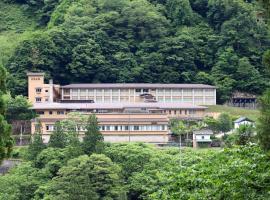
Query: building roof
{"points": [[117, 105], [123, 118], [241, 119], [203, 132], [35, 74], [137, 85]]}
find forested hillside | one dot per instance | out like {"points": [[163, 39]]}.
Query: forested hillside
{"points": [[219, 42]]}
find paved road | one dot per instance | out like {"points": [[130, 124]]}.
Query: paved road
{"points": [[7, 164]]}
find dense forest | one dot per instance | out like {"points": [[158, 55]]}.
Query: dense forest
{"points": [[158, 41]]}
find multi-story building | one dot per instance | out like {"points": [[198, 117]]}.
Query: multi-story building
{"points": [[195, 94], [126, 112]]}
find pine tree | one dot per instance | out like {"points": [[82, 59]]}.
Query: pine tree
{"points": [[263, 128], [58, 138], [36, 145], [6, 142], [93, 139]]}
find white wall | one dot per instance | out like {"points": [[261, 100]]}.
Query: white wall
{"points": [[125, 138], [236, 125], [203, 137]]}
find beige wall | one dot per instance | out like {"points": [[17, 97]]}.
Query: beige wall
{"points": [[192, 96], [144, 121], [37, 82]]}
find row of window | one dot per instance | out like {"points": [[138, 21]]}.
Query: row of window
{"points": [[39, 90], [60, 112], [117, 92], [50, 127], [185, 112]]}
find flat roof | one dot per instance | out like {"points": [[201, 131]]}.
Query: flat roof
{"points": [[35, 74], [137, 85], [117, 105], [160, 119]]}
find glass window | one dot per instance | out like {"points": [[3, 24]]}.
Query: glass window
{"points": [[145, 90], [138, 90], [187, 92], [108, 128], [66, 91], [116, 128], [38, 99], [40, 112], [136, 128], [75, 91], [38, 90], [126, 128], [60, 112], [50, 112]]}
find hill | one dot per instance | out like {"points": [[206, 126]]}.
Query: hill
{"points": [[234, 111], [173, 41]]}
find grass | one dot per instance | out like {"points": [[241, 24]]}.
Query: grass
{"points": [[15, 26], [234, 111]]}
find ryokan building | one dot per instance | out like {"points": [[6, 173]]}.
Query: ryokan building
{"points": [[126, 112]]}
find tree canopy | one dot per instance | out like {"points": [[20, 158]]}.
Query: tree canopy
{"points": [[174, 41]]}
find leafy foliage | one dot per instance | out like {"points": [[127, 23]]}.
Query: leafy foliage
{"points": [[263, 127], [214, 42]]}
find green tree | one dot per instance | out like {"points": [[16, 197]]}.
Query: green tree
{"points": [[6, 141], [36, 145], [244, 134], [58, 139], [93, 139], [263, 128], [95, 177], [212, 123], [18, 108], [224, 122]]}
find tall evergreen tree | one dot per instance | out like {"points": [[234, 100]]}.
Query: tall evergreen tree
{"points": [[36, 145], [6, 141], [93, 139], [58, 138], [263, 128]]}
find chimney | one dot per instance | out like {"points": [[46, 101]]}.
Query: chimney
{"points": [[51, 91]]}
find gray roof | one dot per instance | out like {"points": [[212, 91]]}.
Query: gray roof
{"points": [[35, 74], [203, 132], [137, 85], [117, 105], [241, 119], [122, 118]]}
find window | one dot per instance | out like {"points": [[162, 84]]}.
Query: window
{"points": [[49, 127], [202, 137], [136, 128], [38, 90], [126, 128], [175, 112], [46, 90], [103, 128], [38, 99], [66, 91], [138, 90], [40, 112], [170, 112], [108, 128], [47, 99], [145, 90], [60, 112], [116, 128], [50, 112]]}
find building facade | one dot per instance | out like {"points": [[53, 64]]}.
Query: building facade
{"points": [[126, 112], [195, 94]]}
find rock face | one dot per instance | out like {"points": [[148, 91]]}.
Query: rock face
{"points": [[7, 165]]}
